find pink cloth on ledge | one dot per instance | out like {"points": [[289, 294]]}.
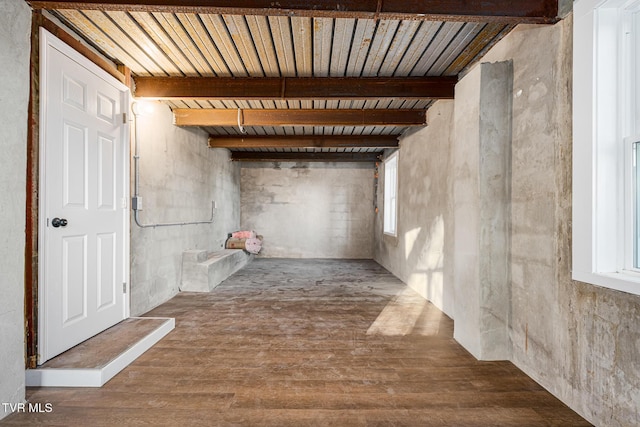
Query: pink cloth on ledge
{"points": [[243, 234]]}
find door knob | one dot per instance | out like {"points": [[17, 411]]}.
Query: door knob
{"points": [[59, 222]]}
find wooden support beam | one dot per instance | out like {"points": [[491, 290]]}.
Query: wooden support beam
{"points": [[257, 156], [303, 117], [304, 141], [277, 88], [505, 11]]}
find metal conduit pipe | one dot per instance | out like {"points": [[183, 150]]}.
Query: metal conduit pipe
{"points": [[136, 201]]}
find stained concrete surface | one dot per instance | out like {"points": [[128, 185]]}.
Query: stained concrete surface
{"points": [[15, 27], [580, 341]]}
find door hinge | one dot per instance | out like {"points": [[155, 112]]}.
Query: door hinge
{"points": [[124, 287], [124, 118]]}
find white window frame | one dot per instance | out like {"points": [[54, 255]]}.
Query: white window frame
{"points": [[390, 206], [602, 173]]}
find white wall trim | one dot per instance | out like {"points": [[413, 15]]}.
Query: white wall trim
{"points": [[393, 157]]}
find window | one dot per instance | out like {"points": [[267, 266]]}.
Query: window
{"points": [[391, 194], [606, 132], [636, 205], [631, 126]]}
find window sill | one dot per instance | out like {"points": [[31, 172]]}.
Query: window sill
{"points": [[390, 239], [628, 282]]}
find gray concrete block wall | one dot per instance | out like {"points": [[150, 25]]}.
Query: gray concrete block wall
{"points": [[179, 178], [422, 254], [15, 30], [309, 210]]}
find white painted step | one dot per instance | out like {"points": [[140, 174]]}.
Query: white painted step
{"points": [[97, 376]]}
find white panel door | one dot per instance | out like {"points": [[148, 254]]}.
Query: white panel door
{"points": [[84, 180]]}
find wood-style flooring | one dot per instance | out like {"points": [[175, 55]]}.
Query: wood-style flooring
{"points": [[306, 342]]}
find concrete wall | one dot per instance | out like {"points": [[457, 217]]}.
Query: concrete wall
{"points": [[309, 210], [179, 178], [15, 29], [421, 255], [579, 341], [481, 174]]}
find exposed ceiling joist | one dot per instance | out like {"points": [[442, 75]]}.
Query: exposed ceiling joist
{"points": [[507, 11], [284, 88], [42, 21], [253, 156], [303, 117], [304, 141]]}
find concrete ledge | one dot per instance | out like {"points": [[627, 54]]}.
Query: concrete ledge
{"points": [[202, 270]]}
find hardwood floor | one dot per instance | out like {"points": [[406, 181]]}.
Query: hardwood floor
{"points": [[306, 342]]}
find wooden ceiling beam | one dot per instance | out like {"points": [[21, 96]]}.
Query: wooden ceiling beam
{"points": [[256, 156], [283, 88], [303, 117], [504, 11], [304, 141]]}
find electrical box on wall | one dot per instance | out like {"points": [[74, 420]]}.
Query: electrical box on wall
{"points": [[136, 203]]}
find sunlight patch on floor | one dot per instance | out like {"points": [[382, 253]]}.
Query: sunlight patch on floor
{"points": [[407, 313]]}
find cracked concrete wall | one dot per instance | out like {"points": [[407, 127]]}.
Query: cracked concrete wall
{"points": [[422, 254], [15, 31], [309, 210], [179, 178]]}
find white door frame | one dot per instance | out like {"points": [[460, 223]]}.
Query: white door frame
{"points": [[49, 40]]}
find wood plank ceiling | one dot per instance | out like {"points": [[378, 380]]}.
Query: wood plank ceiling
{"points": [[299, 77]]}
